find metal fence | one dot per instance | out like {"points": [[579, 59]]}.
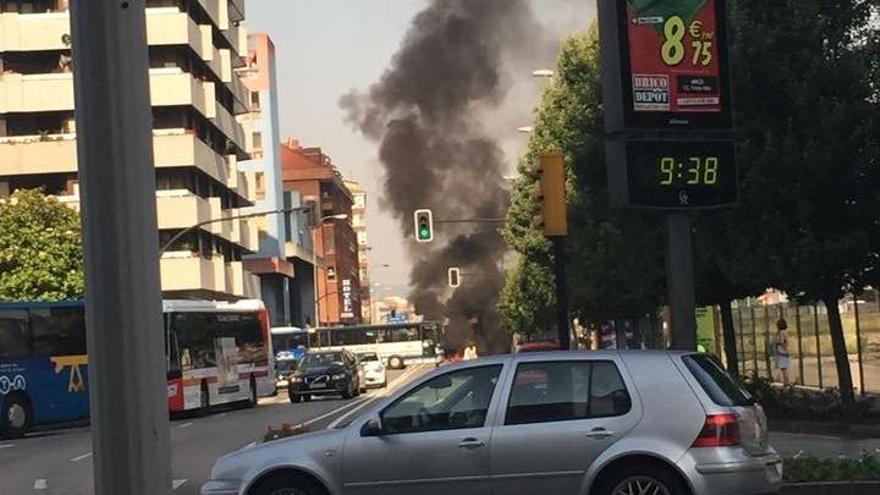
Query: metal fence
{"points": [[809, 341]]}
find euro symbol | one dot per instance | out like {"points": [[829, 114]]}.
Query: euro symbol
{"points": [[696, 29]]}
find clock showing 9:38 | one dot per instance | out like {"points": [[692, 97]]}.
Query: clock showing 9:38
{"points": [[681, 174]]}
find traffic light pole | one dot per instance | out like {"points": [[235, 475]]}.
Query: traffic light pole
{"points": [[127, 382], [561, 292], [680, 282]]}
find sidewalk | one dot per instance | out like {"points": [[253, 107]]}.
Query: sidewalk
{"points": [[793, 444]]}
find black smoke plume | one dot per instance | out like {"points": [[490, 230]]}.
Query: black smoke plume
{"points": [[432, 115]]}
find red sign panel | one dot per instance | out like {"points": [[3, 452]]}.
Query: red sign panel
{"points": [[675, 60]]}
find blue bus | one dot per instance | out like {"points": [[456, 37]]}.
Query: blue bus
{"points": [[290, 343], [43, 365]]}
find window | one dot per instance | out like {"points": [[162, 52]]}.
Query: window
{"points": [[562, 391], [59, 331], [255, 100], [717, 384], [456, 400], [258, 140], [15, 336]]}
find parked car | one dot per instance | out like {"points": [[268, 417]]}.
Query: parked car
{"points": [[325, 373], [537, 347], [375, 374], [598, 423]]}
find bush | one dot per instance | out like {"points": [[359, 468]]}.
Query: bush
{"points": [[286, 430], [811, 405], [813, 469]]}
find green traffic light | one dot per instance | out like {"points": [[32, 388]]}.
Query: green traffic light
{"points": [[424, 233]]}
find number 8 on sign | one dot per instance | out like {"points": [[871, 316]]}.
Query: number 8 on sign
{"points": [[673, 48]]}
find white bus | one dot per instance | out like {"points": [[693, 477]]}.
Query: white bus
{"points": [[396, 344], [217, 353]]}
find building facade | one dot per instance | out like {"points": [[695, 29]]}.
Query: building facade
{"points": [[359, 223], [285, 259], [195, 51], [311, 173]]}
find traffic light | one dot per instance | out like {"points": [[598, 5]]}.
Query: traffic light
{"points": [[550, 194], [424, 225], [454, 275]]}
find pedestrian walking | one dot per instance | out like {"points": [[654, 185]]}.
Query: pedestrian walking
{"points": [[783, 358], [470, 351]]}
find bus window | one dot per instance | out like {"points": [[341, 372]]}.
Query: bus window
{"points": [[247, 331], [59, 331], [15, 336], [195, 338]]}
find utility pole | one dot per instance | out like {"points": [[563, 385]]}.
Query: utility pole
{"points": [[680, 281], [127, 382]]}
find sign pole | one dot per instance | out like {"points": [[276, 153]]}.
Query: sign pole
{"points": [[127, 382], [561, 293], [680, 282]]}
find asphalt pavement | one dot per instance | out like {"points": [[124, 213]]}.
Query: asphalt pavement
{"points": [[60, 462]]}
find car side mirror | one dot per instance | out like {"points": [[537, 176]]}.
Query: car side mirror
{"points": [[372, 428]]}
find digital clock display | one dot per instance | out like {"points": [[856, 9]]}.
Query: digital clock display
{"points": [[681, 175]]}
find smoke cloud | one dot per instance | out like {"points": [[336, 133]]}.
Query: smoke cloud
{"points": [[436, 114]]}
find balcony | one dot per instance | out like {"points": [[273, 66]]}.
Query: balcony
{"points": [[172, 27], [34, 32], [182, 209], [242, 96], [236, 10], [236, 36], [47, 154], [229, 126], [54, 92], [183, 271], [173, 87]]}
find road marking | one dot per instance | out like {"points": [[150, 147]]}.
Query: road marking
{"points": [[250, 445], [186, 425], [373, 397], [41, 484], [178, 483], [333, 412], [222, 415], [81, 457], [7, 446]]}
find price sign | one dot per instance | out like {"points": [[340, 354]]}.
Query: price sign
{"points": [[681, 174], [670, 63]]}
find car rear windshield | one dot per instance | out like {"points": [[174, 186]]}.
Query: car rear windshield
{"points": [[720, 387]]}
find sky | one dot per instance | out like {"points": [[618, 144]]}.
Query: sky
{"points": [[326, 48]]}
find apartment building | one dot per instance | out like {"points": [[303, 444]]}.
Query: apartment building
{"points": [[311, 173], [285, 259], [196, 48], [359, 223]]}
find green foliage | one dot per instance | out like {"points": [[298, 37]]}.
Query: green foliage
{"points": [[528, 299], [808, 469], [615, 260], [793, 403], [40, 249]]}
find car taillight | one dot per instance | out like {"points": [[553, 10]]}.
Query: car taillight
{"points": [[720, 430]]}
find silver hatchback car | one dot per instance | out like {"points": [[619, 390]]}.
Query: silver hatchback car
{"points": [[598, 423]]}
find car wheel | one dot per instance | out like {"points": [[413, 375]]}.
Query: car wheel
{"points": [[637, 479], [349, 391], [17, 417], [307, 398], [395, 363], [287, 484]]}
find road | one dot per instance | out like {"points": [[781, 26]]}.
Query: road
{"points": [[60, 462]]}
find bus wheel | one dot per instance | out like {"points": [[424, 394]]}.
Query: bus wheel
{"points": [[254, 399], [395, 363], [16, 418]]}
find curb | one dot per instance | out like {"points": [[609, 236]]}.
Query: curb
{"points": [[833, 488], [861, 431]]}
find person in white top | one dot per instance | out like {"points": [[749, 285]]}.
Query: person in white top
{"points": [[470, 351]]}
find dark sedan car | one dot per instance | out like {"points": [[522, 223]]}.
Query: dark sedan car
{"points": [[325, 373]]}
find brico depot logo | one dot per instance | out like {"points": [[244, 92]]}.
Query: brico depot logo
{"points": [[8, 385], [172, 390], [651, 93]]}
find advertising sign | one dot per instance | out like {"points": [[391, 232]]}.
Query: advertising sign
{"points": [[673, 62], [347, 305]]}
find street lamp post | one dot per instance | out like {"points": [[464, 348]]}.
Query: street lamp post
{"points": [[218, 220]]}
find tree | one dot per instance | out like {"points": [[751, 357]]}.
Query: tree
{"points": [[40, 249], [807, 115], [615, 263]]}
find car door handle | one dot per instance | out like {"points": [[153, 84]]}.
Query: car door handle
{"points": [[470, 444], [599, 433]]}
